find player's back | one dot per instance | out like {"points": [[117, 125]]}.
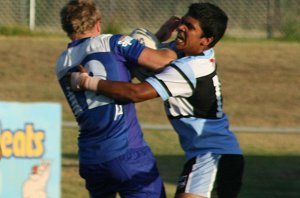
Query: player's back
{"points": [[107, 128]]}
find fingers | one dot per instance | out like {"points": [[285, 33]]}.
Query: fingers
{"points": [[174, 21], [166, 30], [82, 69], [75, 79]]}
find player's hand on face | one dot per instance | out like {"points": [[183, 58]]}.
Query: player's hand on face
{"points": [[166, 30]]}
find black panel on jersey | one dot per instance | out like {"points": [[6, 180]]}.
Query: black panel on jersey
{"points": [[204, 98]]}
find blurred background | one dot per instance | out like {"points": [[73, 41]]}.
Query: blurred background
{"points": [[255, 18], [258, 66]]}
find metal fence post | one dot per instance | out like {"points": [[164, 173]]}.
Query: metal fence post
{"points": [[32, 15]]}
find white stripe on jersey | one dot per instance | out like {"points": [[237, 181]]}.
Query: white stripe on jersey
{"points": [[175, 82], [202, 67], [217, 85], [101, 44], [192, 67], [182, 107]]}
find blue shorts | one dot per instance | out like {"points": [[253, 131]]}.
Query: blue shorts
{"points": [[132, 175]]}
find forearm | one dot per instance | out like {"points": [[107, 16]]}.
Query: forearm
{"points": [[156, 59], [126, 92], [122, 91]]}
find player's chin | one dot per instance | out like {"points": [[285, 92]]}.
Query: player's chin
{"points": [[180, 45]]}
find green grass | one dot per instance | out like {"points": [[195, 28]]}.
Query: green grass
{"points": [[272, 163], [24, 31]]}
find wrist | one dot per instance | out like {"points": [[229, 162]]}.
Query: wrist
{"points": [[90, 83], [82, 81]]}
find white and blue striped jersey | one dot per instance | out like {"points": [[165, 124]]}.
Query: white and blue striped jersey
{"points": [[107, 128], [191, 91]]}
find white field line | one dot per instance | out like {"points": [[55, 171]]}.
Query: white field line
{"points": [[158, 127]]}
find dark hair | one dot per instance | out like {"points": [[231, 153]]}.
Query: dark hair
{"points": [[79, 16], [212, 20]]}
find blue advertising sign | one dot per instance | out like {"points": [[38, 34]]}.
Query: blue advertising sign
{"points": [[30, 139]]}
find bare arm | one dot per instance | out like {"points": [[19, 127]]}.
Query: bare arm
{"points": [[156, 59], [122, 91], [127, 92]]}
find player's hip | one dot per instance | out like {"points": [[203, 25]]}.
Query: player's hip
{"points": [[211, 173], [134, 172]]}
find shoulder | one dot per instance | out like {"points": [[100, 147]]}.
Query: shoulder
{"points": [[201, 65], [108, 42], [204, 56], [99, 43], [119, 39]]}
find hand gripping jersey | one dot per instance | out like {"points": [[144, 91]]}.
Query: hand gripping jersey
{"points": [[107, 128], [191, 90]]}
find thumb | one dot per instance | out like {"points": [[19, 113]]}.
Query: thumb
{"points": [[77, 79], [82, 69]]}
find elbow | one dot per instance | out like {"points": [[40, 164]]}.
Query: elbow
{"points": [[126, 95], [141, 93], [133, 92], [135, 96]]}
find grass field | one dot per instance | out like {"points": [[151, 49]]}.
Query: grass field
{"points": [[272, 164], [260, 85]]}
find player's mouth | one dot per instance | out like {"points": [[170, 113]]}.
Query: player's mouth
{"points": [[180, 38]]}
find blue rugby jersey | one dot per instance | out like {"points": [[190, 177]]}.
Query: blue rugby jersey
{"points": [[107, 128], [191, 90]]}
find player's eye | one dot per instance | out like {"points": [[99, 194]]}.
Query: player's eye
{"points": [[187, 24]]}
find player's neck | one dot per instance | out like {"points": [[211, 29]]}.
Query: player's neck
{"points": [[81, 36], [96, 31]]}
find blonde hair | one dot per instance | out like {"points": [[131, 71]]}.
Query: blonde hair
{"points": [[79, 16]]}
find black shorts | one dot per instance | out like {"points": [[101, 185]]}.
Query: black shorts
{"points": [[212, 175]]}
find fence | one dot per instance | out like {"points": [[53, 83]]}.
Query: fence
{"points": [[247, 18]]}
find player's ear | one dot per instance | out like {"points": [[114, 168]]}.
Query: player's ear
{"points": [[98, 26], [206, 41]]}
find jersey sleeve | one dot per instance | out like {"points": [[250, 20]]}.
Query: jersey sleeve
{"points": [[175, 80], [127, 47]]}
